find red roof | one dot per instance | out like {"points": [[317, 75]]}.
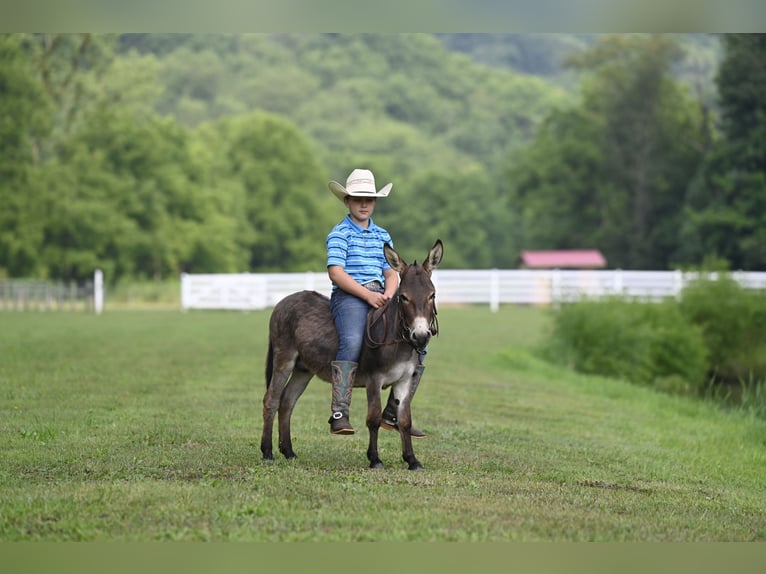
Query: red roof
{"points": [[573, 258]]}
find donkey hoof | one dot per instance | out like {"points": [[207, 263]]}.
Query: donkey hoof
{"points": [[377, 465], [415, 466]]}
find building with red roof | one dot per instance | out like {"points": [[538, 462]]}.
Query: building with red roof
{"points": [[562, 259]]}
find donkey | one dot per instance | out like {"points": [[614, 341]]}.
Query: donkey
{"points": [[303, 342]]}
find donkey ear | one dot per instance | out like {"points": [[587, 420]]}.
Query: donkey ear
{"points": [[393, 258], [434, 256]]}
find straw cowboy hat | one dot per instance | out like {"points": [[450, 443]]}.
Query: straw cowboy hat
{"points": [[360, 183]]}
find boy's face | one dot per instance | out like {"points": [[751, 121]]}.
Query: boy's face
{"points": [[360, 208]]}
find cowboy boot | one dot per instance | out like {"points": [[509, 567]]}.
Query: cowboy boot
{"points": [[390, 412], [342, 381]]}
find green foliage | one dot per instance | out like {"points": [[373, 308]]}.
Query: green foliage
{"points": [[611, 173], [752, 396], [133, 190], [726, 214], [133, 152], [741, 80], [732, 321], [125, 193], [712, 341], [287, 215], [444, 107], [462, 223], [25, 120], [70, 68], [644, 343], [130, 195], [555, 183]]}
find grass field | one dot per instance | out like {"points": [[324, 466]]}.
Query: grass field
{"points": [[145, 425]]}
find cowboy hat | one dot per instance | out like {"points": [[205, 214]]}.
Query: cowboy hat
{"points": [[360, 183]]}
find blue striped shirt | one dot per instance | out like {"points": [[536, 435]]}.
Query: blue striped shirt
{"points": [[359, 251]]}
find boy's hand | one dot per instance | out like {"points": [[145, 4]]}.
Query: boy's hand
{"points": [[376, 300]]}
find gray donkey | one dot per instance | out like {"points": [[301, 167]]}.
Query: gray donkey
{"points": [[303, 343]]}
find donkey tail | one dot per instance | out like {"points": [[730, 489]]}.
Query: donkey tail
{"points": [[269, 364]]}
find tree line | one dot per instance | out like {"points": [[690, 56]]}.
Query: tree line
{"points": [[148, 155]]}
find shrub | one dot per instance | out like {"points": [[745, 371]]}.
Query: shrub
{"points": [[642, 342], [732, 320]]}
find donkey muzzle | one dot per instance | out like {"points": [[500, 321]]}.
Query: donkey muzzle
{"points": [[420, 332]]}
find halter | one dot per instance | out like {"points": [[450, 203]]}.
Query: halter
{"points": [[433, 326]]}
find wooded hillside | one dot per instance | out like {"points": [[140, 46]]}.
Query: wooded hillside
{"points": [[147, 155]]}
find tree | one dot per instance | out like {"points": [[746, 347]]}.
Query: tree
{"points": [[128, 195], [555, 183], [612, 173], [25, 113], [83, 227], [455, 207], [67, 64], [287, 213], [727, 201]]}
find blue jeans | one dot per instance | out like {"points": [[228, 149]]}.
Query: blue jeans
{"points": [[350, 315]]}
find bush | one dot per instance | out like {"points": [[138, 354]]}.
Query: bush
{"points": [[641, 342], [732, 321]]}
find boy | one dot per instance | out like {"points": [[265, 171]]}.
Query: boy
{"points": [[361, 279]]}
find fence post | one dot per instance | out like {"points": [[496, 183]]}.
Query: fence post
{"points": [[555, 287], [184, 292], [494, 290], [678, 283], [618, 286], [98, 291]]}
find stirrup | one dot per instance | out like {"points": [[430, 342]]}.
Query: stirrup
{"points": [[389, 423]]}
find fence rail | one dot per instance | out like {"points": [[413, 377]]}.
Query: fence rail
{"points": [[492, 286], [38, 295]]}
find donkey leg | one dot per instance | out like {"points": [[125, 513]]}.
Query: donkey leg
{"points": [[271, 402], [405, 425], [374, 416], [268, 424], [294, 389]]}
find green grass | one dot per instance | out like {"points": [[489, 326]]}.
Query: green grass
{"points": [[145, 425]]}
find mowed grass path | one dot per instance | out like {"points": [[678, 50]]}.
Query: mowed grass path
{"points": [[146, 426]]}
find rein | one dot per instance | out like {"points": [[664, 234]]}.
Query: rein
{"points": [[371, 320]]}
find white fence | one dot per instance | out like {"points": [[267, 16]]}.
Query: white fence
{"points": [[494, 287], [40, 295]]}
